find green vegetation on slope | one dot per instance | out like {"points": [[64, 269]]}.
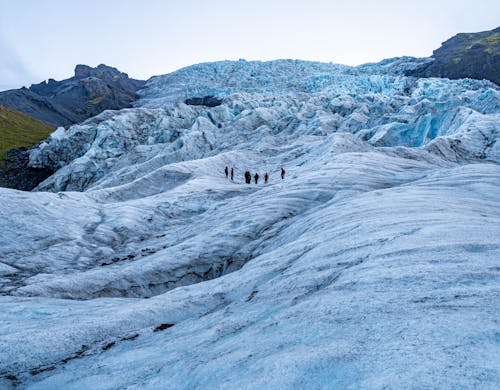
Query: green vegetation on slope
{"points": [[97, 100], [491, 40], [18, 129]]}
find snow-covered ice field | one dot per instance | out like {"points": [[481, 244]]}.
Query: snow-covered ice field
{"points": [[374, 264]]}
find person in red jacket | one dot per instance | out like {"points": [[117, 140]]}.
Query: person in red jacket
{"points": [[266, 177], [282, 173], [232, 173]]}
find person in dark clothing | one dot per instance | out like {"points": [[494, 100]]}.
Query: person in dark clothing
{"points": [[226, 171], [232, 173], [283, 173], [266, 177], [248, 177], [256, 178]]}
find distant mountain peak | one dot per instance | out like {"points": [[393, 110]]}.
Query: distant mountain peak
{"points": [[89, 92], [84, 71]]}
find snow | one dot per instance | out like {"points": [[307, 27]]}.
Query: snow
{"points": [[374, 264]]}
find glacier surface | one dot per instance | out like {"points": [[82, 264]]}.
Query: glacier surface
{"points": [[373, 264]]}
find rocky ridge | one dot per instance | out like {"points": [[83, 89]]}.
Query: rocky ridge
{"points": [[86, 94], [472, 55]]}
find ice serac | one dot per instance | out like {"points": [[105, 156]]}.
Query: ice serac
{"points": [[280, 99], [373, 264]]}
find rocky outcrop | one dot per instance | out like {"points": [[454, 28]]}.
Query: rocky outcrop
{"points": [[208, 101], [15, 172], [475, 56], [89, 92]]}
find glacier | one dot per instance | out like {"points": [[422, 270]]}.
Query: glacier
{"points": [[373, 264]]}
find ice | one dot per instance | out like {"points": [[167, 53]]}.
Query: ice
{"points": [[259, 111], [373, 264]]}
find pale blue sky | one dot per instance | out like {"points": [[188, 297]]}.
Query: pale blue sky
{"points": [[42, 39]]}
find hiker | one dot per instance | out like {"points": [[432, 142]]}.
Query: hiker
{"points": [[232, 173], [266, 177], [248, 177], [226, 171], [282, 173], [256, 177]]}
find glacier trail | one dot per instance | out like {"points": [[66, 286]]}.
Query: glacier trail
{"points": [[374, 264]]}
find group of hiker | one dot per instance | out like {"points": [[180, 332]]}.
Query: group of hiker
{"points": [[248, 175]]}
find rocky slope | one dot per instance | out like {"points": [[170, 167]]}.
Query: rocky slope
{"points": [[86, 94], [16, 173], [472, 55], [18, 132], [372, 265]]}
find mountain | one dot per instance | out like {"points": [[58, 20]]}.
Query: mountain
{"points": [[472, 55], [372, 264], [86, 94]]}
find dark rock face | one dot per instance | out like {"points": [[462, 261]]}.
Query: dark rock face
{"points": [[15, 172], [37, 106], [209, 101], [475, 55], [88, 93]]}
